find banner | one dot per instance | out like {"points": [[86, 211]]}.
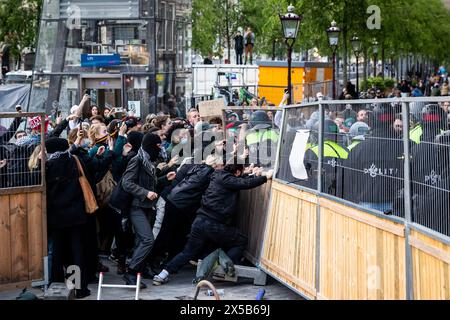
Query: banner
{"points": [[297, 156]]}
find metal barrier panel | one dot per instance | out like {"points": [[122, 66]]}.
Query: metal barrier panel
{"points": [[23, 223], [362, 155], [430, 170], [21, 149], [257, 132]]}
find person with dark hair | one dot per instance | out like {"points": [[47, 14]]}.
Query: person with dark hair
{"points": [[66, 216], [98, 119], [182, 203], [213, 224], [141, 181], [239, 46]]}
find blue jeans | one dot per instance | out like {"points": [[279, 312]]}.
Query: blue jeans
{"points": [[383, 207]]}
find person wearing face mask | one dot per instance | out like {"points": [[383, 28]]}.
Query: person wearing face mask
{"points": [[140, 180], [213, 224], [182, 203]]}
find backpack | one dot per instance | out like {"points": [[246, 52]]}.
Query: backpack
{"points": [[120, 200], [105, 189]]}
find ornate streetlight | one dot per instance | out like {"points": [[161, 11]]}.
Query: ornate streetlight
{"points": [[291, 25], [333, 38], [357, 48], [375, 54]]}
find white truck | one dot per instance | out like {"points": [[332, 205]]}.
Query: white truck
{"points": [[222, 80]]}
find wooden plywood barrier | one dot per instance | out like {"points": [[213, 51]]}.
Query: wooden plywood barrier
{"points": [[431, 267], [289, 243], [23, 238], [361, 256], [253, 206]]}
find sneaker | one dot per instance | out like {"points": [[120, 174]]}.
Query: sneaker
{"points": [[101, 267], [131, 280], [121, 268], [113, 258], [82, 293], [148, 274], [157, 280]]}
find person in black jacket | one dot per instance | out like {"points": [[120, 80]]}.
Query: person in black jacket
{"points": [[239, 46], [66, 215], [182, 204], [141, 181], [213, 223]]}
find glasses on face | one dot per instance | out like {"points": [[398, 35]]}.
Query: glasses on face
{"points": [[20, 136]]}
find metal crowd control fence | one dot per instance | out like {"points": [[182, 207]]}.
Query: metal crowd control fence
{"points": [[23, 232], [386, 157], [238, 125]]}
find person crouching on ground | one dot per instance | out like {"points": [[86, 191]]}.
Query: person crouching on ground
{"points": [[214, 218], [141, 181]]}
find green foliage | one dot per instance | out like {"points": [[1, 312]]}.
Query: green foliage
{"points": [[379, 83], [408, 26], [18, 23]]}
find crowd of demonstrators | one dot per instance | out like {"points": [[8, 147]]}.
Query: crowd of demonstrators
{"points": [[155, 187], [434, 86]]}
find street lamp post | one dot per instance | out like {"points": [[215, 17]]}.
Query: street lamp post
{"points": [[375, 53], [291, 25], [357, 48], [333, 38]]}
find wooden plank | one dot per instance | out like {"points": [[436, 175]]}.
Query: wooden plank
{"points": [[5, 115], [435, 252], [362, 217], [319, 296], [288, 277], [5, 241], [44, 224], [35, 238], [19, 230], [21, 190], [299, 194], [15, 285]]}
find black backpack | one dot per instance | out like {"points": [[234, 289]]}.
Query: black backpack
{"points": [[121, 200]]}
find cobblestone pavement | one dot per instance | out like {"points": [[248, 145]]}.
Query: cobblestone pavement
{"points": [[180, 285]]}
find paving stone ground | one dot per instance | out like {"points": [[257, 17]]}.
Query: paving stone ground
{"points": [[179, 285]]}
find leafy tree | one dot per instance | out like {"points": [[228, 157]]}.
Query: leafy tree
{"points": [[18, 24]]}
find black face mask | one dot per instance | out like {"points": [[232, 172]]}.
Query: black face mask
{"points": [[154, 152]]}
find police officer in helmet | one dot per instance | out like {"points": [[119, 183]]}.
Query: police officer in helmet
{"points": [[262, 140]]}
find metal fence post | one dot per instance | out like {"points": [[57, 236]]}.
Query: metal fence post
{"points": [[319, 189], [408, 207]]}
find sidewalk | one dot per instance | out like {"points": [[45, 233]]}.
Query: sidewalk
{"points": [[179, 285]]}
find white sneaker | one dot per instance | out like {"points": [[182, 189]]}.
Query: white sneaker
{"points": [[157, 280]]}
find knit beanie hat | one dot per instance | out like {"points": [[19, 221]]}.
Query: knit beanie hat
{"points": [[149, 144], [135, 139], [53, 145]]}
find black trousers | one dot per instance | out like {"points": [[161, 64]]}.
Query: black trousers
{"points": [[175, 228], [239, 57], [69, 248], [204, 232], [92, 258]]}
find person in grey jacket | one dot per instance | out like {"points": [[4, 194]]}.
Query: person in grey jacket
{"points": [[141, 181]]}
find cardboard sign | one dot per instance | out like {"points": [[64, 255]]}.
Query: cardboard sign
{"points": [[211, 108]]}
